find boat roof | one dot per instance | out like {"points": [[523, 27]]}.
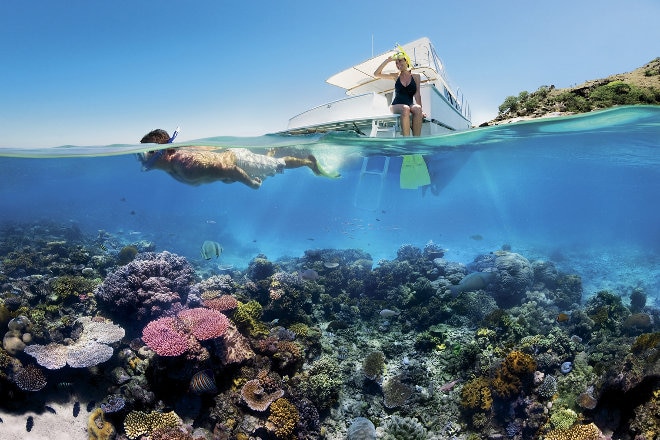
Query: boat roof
{"points": [[360, 78]]}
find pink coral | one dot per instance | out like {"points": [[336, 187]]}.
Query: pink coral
{"points": [[221, 303], [204, 323], [165, 337]]}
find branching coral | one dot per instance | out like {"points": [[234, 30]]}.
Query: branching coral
{"points": [[283, 418], [476, 394]]}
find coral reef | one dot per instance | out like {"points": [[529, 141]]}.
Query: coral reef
{"points": [[147, 286], [98, 428]]}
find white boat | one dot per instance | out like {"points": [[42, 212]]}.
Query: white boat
{"points": [[366, 110]]}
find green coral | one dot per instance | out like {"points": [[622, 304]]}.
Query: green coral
{"points": [[67, 286], [247, 315], [404, 428], [564, 418], [322, 382]]}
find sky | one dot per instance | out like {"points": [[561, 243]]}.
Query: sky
{"points": [[84, 72]]}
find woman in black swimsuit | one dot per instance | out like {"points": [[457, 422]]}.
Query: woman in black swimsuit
{"points": [[406, 88]]}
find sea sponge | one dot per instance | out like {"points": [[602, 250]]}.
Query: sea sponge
{"points": [[476, 394], [283, 418], [98, 428]]}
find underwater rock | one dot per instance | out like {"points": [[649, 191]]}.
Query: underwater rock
{"points": [[361, 429], [514, 276], [13, 343]]}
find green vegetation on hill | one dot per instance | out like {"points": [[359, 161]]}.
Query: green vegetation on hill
{"points": [[641, 86]]}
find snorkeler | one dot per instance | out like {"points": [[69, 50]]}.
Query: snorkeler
{"points": [[196, 165]]}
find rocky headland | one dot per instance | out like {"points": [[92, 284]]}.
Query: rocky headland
{"points": [[641, 86]]}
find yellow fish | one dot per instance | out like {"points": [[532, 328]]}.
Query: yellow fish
{"points": [[211, 249]]}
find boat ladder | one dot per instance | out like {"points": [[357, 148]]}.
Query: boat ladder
{"points": [[371, 182]]}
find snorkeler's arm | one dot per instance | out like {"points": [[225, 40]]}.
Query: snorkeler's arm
{"points": [[418, 94], [379, 71]]}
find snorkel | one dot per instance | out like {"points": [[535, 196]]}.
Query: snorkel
{"points": [[174, 135]]}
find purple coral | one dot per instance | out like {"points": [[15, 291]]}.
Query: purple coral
{"points": [[147, 286]]}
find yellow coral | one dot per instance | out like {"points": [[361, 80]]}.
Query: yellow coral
{"points": [[576, 432], [520, 363], [98, 428], [283, 418], [248, 315], [139, 423], [299, 329], [476, 394]]}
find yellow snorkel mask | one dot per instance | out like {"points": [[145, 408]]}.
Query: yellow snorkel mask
{"points": [[402, 54]]}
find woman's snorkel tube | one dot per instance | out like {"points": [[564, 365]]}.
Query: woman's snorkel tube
{"points": [[174, 135]]}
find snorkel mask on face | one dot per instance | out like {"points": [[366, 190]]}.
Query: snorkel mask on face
{"points": [[401, 54]]}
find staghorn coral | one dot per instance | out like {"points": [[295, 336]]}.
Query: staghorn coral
{"points": [[256, 398], [577, 432], [139, 423], [283, 418], [98, 428]]}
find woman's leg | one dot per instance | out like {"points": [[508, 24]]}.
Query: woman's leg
{"points": [[404, 111], [417, 118]]}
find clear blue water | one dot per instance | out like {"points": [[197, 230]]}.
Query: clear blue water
{"points": [[582, 190]]}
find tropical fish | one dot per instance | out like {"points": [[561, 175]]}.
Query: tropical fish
{"points": [[477, 237], [76, 409], [29, 424], [563, 317], [472, 282], [387, 313], [90, 405], [309, 275], [211, 249], [330, 265], [203, 383], [50, 409], [103, 247]]}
